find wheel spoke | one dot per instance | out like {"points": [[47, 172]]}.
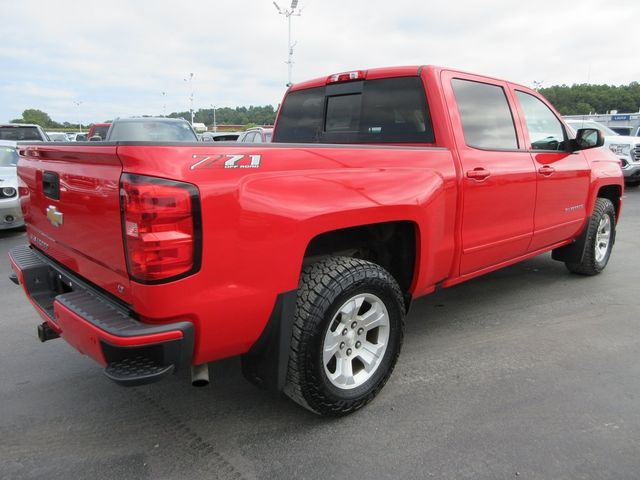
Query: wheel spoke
{"points": [[369, 359], [350, 310], [346, 371], [373, 318], [331, 348]]}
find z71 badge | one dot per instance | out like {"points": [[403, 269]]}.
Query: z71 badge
{"points": [[219, 160]]}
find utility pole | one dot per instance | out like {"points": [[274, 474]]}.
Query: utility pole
{"points": [[215, 125], [77, 104], [190, 82], [288, 13]]}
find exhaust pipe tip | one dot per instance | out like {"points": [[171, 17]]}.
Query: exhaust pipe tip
{"points": [[200, 375], [46, 333]]}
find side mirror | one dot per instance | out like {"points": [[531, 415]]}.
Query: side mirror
{"points": [[588, 138], [95, 138], [81, 138]]}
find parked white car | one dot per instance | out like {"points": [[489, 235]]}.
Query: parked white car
{"points": [[57, 136], [625, 147], [10, 211]]}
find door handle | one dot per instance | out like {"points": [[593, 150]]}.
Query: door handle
{"points": [[546, 170], [478, 173]]}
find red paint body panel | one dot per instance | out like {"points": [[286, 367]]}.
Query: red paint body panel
{"points": [[258, 222], [89, 242]]}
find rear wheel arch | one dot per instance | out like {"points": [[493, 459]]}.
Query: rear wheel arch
{"points": [[392, 245]]}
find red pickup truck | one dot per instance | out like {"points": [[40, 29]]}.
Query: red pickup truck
{"points": [[303, 255]]}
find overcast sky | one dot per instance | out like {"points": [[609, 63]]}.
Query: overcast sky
{"points": [[116, 57]]}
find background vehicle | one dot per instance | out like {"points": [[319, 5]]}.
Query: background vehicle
{"points": [[73, 136], [10, 212], [98, 130], [627, 149], [305, 257], [19, 132], [57, 137], [257, 135], [220, 136], [626, 130], [150, 129]]}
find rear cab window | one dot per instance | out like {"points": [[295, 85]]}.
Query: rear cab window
{"points": [[387, 110], [20, 133], [148, 130]]}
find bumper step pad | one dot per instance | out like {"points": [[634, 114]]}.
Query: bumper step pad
{"points": [[136, 371]]}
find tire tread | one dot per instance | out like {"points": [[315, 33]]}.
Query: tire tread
{"points": [[320, 283], [589, 265]]}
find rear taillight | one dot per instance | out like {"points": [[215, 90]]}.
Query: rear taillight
{"points": [[161, 228]]}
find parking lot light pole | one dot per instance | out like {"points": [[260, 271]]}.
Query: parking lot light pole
{"points": [[288, 13], [164, 103], [215, 126], [77, 104], [190, 81]]}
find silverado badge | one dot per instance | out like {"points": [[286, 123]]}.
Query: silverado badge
{"points": [[54, 216]]}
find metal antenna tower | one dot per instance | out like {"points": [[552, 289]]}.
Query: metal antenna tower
{"points": [[292, 11]]}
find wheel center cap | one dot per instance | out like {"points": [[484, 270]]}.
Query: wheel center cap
{"points": [[351, 338]]}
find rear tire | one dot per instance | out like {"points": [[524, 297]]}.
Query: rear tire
{"points": [[601, 235], [347, 335]]}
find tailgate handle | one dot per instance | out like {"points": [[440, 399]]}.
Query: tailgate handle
{"points": [[51, 185]]}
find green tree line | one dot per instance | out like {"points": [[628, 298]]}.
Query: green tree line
{"points": [[32, 115], [585, 98], [252, 115], [264, 115]]}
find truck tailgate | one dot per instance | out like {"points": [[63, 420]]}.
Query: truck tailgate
{"points": [[72, 207]]}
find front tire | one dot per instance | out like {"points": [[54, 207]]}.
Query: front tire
{"points": [[601, 235], [347, 335]]}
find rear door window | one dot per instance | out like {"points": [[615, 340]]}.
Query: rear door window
{"points": [[390, 110], [487, 121]]}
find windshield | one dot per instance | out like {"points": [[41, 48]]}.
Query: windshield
{"points": [[153, 131], [389, 110], [19, 133], [576, 124], [8, 157]]}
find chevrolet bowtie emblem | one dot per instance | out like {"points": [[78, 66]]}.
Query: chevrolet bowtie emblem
{"points": [[54, 216]]}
